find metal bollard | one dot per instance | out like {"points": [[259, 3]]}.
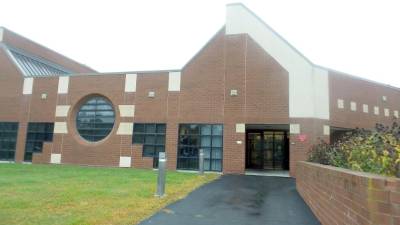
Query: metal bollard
{"points": [[162, 161], [201, 161]]}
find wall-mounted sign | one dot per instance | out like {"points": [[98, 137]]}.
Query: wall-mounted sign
{"points": [[302, 137]]}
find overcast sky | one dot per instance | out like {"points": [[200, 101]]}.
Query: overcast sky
{"points": [[360, 37]]}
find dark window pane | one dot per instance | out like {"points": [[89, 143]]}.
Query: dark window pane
{"points": [[148, 150], [217, 141], [152, 136], [161, 128], [217, 130], [206, 130], [95, 119], [205, 141], [160, 140], [138, 128], [138, 138], [36, 135], [150, 128], [150, 139], [192, 137]]}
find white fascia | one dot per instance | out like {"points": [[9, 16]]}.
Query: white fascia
{"points": [[308, 84]]}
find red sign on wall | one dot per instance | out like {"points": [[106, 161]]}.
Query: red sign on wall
{"points": [[302, 137]]}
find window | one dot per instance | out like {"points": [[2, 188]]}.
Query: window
{"points": [[152, 136], [36, 135], [95, 119], [8, 140], [193, 137]]}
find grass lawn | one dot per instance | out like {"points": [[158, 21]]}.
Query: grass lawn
{"points": [[55, 194]]}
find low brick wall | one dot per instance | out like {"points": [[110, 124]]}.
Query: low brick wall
{"points": [[340, 196]]}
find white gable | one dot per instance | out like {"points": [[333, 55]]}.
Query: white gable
{"points": [[308, 85]]}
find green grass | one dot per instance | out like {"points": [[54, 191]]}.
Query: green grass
{"points": [[54, 194]]}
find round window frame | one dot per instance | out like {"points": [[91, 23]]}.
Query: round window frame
{"points": [[73, 120]]}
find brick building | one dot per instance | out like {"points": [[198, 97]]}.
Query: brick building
{"points": [[248, 98]]}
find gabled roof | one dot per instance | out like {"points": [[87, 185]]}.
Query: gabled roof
{"points": [[33, 59]]}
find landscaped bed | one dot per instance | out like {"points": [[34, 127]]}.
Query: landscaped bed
{"points": [[49, 194]]}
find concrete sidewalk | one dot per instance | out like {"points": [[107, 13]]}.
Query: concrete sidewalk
{"points": [[239, 200]]}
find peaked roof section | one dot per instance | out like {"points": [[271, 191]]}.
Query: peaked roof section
{"points": [[33, 59], [236, 24]]}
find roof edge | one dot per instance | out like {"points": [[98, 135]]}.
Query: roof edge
{"points": [[117, 73], [42, 46]]}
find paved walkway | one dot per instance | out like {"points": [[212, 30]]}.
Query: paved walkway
{"points": [[239, 200]]}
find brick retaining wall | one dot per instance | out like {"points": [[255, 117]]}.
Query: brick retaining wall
{"points": [[341, 196]]}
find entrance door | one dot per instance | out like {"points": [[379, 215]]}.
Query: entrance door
{"points": [[267, 149]]}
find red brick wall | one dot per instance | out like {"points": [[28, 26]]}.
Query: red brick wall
{"points": [[342, 86], [340, 196]]}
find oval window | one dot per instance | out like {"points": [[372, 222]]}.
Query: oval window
{"points": [[95, 119]]}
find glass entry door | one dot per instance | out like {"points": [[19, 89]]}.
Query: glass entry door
{"points": [[267, 150]]}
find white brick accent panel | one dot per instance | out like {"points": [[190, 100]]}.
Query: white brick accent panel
{"points": [[60, 128], [327, 130], [387, 112], [125, 161], [130, 82], [125, 129], [240, 128], [55, 158], [294, 128], [365, 108], [62, 110], [376, 110], [28, 86], [353, 106], [174, 81], [340, 103], [126, 110], [63, 84]]}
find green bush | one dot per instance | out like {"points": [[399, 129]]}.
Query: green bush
{"points": [[374, 151]]}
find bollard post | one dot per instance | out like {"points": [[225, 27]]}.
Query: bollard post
{"points": [[201, 162], [162, 161]]}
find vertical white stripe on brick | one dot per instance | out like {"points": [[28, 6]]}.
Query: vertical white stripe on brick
{"points": [[365, 108], [60, 128], [125, 161], [387, 112], [340, 103], [62, 110], [63, 84], [353, 106], [174, 81], [130, 82], [294, 128], [28, 86], [376, 110], [55, 158]]}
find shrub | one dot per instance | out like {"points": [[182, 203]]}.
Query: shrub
{"points": [[375, 151]]}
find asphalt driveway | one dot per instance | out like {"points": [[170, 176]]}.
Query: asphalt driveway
{"points": [[239, 200]]}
